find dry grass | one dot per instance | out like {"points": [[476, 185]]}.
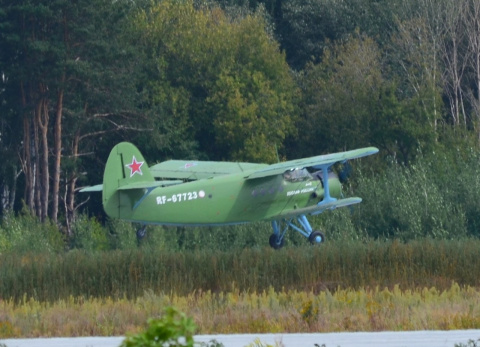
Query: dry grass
{"points": [[243, 312]]}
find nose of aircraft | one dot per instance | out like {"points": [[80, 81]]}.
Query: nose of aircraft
{"points": [[334, 184]]}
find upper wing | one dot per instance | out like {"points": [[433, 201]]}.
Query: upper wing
{"points": [[318, 162], [195, 170], [175, 171]]}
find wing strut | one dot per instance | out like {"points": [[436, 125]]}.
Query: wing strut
{"points": [[327, 198]]}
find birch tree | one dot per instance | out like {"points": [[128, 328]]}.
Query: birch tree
{"points": [[472, 19]]}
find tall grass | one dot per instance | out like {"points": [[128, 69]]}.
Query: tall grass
{"points": [[238, 311], [425, 263]]}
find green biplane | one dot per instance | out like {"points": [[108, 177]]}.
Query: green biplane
{"points": [[206, 193]]}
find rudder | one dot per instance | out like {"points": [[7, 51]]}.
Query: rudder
{"points": [[125, 165]]}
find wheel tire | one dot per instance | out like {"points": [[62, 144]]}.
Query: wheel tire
{"points": [[274, 243], [316, 238], [141, 233]]}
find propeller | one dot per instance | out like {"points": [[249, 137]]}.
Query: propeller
{"points": [[343, 175], [345, 172]]}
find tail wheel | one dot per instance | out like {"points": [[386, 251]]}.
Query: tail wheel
{"points": [[276, 242], [316, 237], [141, 232]]}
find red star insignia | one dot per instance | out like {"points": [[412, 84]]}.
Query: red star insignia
{"points": [[135, 167], [189, 165]]}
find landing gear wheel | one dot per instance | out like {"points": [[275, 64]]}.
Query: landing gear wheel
{"points": [[316, 237], [141, 232], [276, 242]]}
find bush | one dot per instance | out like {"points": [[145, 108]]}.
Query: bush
{"points": [[121, 234], [25, 233], [88, 234], [173, 329], [460, 183], [4, 241], [406, 203], [471, 343]]}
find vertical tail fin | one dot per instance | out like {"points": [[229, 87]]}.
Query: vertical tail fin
{"points": [[125, 165]]}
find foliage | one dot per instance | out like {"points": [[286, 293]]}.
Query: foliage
{"points": [[306, 26], [220, 75], [174, 328], [59, 68], [258, 343], [435, 197], [460, 183], [348, 94], [122, 235], [25, 234], [412, 208], [470, 343], [88, 234]]}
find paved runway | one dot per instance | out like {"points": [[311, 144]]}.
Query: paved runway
{"points": [[367, 339]]}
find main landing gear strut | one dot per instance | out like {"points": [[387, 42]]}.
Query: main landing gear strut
{"points": [[302, 225]]}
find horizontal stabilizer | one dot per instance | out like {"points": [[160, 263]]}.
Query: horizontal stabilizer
{"points": [[135, 185], [96, 188], [149, 185], [321, 207]]}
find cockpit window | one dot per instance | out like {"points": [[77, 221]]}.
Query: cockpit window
{"points": [[297, 175]]}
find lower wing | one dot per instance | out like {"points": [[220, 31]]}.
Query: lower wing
{"points": [[321, 207]]}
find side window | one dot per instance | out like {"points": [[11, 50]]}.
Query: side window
{"points": [[296, 175]]}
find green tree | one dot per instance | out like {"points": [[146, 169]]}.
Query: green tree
{"points": [[307, 26], [348, 103], [440, 39], [415, 49], [30, 51], [10, 142], [67, 77], [221, 76]]}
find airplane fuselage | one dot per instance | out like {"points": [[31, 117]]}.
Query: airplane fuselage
{"points": [[228, 199], [189, 193]]}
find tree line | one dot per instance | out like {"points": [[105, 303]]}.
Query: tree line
{"points": [[227, 80]]}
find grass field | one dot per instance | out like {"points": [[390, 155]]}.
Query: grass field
{"points": [[338, 287], [242, 312], [345, 265]]}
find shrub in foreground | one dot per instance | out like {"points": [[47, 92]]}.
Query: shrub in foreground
{"points": [[173, 329]]}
